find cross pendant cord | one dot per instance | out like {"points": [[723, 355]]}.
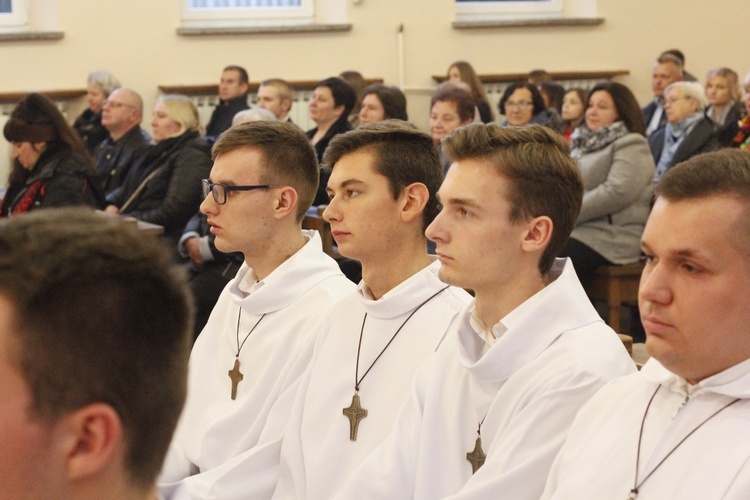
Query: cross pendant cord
{"points": [[358, 380], [636, 485], [355, 412], [235, 374]]}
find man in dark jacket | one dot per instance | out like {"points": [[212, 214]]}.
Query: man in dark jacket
{"points": [[233, 94], [127, 141]]}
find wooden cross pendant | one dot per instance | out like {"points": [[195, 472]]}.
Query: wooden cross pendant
{"points": [[236, 375], [354, 412], [477, 456]]}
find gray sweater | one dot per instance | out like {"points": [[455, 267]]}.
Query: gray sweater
{"points": [[617, 197]]}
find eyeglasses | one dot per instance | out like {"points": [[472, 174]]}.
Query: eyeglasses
{"points": [[520, 105], [115, 104], [219, 191]]}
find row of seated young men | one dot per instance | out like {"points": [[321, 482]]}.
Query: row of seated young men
{"points": [[303, 386]]}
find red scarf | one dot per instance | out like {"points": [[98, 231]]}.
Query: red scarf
{"points": [[27, 199], [741, 139]]}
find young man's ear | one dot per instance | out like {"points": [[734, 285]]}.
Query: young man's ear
{"points": [[285, 203], [538, 234], [93, 438], [414, 198]]}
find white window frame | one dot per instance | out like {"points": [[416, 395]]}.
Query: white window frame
{"points": [[508, 9], [246, 16], [17, 19]]}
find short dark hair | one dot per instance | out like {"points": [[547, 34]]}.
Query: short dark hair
{"points": [[544, 179], [343, 94], [101, 315], [536, 96], [555, 94], [401, 153], [538, 76], [462, 99], [626, 104], [391, 98], [723, 172], [244, 77], [288, 156], [670, 57]]}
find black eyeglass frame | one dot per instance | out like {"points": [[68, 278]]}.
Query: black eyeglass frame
{"points": [[208, 187]]}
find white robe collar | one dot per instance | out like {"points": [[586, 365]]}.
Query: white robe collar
{"points": [[733, 382], [289, 281], [405, 297], [530, 328]]}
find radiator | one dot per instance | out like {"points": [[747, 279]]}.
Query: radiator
{"points": [[5, 149]]}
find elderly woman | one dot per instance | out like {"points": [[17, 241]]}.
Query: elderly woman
{"points": [[523, 104], [725, 109], [382, 102], [332, 101], [688, 131], [164, 188], [617, 170], [451, 107], [89, 123], [51, 166], [463, 72]]}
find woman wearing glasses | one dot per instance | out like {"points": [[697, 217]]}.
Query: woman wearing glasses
{"points": [[617, 170], [164, 188], [523, 104]]}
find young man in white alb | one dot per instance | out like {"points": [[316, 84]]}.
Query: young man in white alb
{"points": [[264, 177], [679, 427], [489, 411], [384, 177]]}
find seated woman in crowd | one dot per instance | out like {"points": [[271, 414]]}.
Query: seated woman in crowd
{"points": [[461, 71], [523, 104], [51, 167], [89, 124], [688, 131], [572, 111], [332, 101], [553, 94], [742, 138], [450, 108], [617, 170], [725, 109], [164, 188], [382, 102], [358, 83]]}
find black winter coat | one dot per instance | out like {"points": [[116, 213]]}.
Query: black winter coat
{"points": [[165, 186]]}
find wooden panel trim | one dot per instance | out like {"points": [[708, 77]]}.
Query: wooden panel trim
{"points": [[213, 89], [556, 75]]}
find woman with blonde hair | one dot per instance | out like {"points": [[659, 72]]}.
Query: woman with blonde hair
{"points": [[164, 188], [462, 71], [725, 103]]}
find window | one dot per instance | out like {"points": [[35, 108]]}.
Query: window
{"points": [[14, 15], [239, 13], [481, 10]]}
